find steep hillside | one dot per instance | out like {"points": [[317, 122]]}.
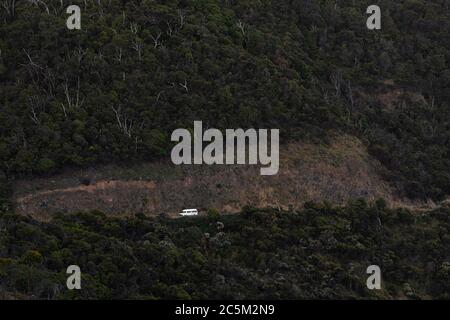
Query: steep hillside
{"points": [[336, 173], [137, 70], [86, 118], [318, 252]]}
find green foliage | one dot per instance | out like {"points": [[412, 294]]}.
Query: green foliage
{"points": [[319, 252], [32, 257], [114, 90], [213, 214]]}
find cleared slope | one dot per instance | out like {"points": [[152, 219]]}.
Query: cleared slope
{"points": [[336, 173]]}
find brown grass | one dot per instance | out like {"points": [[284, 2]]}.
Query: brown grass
{"points": [[335, 173]]}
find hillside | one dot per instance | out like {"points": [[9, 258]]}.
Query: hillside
{"points": [[318, 252], [336, 172], [86, 118], [137, 70]]}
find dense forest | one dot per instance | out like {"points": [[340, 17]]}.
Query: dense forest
{"points": [[115, 90], [138, 69], [319, 252]]}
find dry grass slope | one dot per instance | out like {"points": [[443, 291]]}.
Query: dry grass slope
{"points": [[335, 173]]}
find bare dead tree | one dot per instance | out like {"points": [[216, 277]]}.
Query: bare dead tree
{"points": [[169, 29], [133, 27], [137, 46], [336, 78], [431, 126], [63, 107], [30, 60], [33, 104], [78, 103], [67, 95], [9, 6], [432, 101], [124, 124], [39, 2], [241, 27], [80, 53], [156, 40], [118, 54], [182, 19], [100, 54], [50, 79], [184, 85], [70, 101]]}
